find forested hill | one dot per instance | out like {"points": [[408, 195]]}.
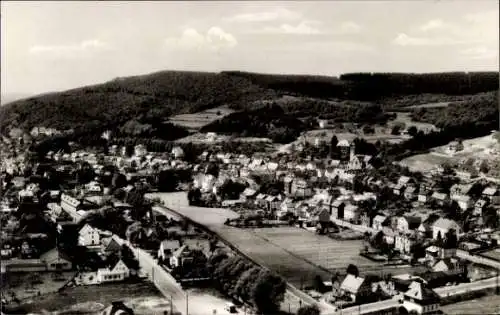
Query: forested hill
{"points": [[165, 93]]}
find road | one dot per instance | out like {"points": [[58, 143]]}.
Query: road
{"points": [[183, 302], [478, 259], [467, 287]]}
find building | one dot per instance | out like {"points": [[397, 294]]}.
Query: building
{"points": [[140, 150], [56, 260], [354, 287], [344, 147], [88, 236], [455, 146], [421, 299], [177, 152], [442, 226], [167, 248], [180, 256], [378, 222]]}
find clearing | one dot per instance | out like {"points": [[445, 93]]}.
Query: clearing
{"points": [[193, 122], [430, 105], [482, 148], [483, 305]]}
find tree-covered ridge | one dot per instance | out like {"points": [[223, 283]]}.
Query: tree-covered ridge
{"points": [[162, 94], [377, 86], [112, 103]]}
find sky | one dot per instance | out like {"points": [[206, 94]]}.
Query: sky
{"points": [[53, 46]]}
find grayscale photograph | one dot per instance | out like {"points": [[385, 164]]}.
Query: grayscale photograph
{"points": [[250, 157]]}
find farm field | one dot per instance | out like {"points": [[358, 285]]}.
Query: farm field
{"points": [[195, 121], [405, 118], [142, 297], [299, 255], [483, 305]]}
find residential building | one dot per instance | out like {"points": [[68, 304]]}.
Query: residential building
{"points": [[88, 236], [407, 224], [56, 260], [378, 222], [492, 194], [180, 256], [167, 248], [354, 287], [421, 299], [440, 198], [403, 243]]}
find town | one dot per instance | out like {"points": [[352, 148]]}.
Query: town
{"points": [[345, 236], [249, 157]]}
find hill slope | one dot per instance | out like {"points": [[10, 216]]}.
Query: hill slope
{"points": [[112, 103], [166, 93]]}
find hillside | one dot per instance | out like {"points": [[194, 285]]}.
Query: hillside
{"points": [[115, 102], [350, 97]]}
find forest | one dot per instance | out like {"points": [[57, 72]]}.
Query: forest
{"points": [[167, 93]]}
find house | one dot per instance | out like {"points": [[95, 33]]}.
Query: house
{"points": [[56, 260], [273, 203], [449, 265], [177, 152], [464, 202], [110, 245], [410, 193], [88, 236], [167, 248], [425, 228], [355, 163], [180, 256], [389, 235], [248, 194], [378, 221], [354, 287], [115, 270], [442, 226], [407, 224], [421, 299], [491, 193], [321, 215], [455, 146], [351, 213], [403, 243], [344, 147], [401, 185], [365, 219], [439, 198], [479, 206]]}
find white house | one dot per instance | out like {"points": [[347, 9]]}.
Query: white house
{"points": [[378, 220], [421, 299], [177, 152], [118, 272], [88, 236]]}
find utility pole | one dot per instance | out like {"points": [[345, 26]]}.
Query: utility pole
{"points": [[171, 306], [187, 303]]}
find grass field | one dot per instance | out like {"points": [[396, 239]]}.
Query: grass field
{"points": [[195, 121], [484, 305], [431, 105], [142, 297]]}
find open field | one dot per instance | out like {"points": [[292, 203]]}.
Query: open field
{"points": [[483, 305], [486, 148], [430, 105], [195, 121], [142, 297], [26, 285], [218, 138]]}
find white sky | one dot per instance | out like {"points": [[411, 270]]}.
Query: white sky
{"points": [[49, 46]]}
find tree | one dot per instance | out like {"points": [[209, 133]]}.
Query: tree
{"points": [[318, 284], [333, 145], [484, 167], [268, 292], [309, 310], [352, 270], [396, 130], [194, 197], [412, 131]]}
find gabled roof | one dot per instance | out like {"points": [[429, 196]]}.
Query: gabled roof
{"points": [[53, 254], [181, 251], [170, 244], [379, 218], [351, 283], [445, 224], [490, 191], [343, 143], [421, 293], [438, 195]]}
